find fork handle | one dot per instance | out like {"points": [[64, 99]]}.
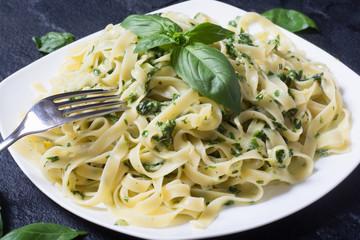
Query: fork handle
{"points": [[12, 138], [6, 143]]}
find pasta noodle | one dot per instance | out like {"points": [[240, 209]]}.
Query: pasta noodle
{"points": [[176, 153]]}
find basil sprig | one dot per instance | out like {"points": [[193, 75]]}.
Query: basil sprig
{"points": [[53, 41], [44, 231], [204, 68], [291, 20]]}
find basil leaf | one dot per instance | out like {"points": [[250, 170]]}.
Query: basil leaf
{"points": [[43, 231], [207, 33], [146, 25], [53, 41], [153, 41], [291, 20], [1, 224], [209, 72]]}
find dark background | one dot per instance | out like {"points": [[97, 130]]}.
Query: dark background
{"points": [[335, 216]]}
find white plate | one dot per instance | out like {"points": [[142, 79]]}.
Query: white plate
{"points": [[279, 201]]}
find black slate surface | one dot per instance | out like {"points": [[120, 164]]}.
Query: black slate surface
{"points": [[335, 216]]}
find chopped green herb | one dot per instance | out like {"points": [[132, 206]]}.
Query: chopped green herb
{"points": [[75, 192], [237, 146], [77, 97], [292, 112], [148, 107], [152, 167], [291, 94], [253, 144], [291, 152], [111, 117], [53, 158], [260, 97], [149, 75], [234, 189], [145, 133], [279, 126], [297, 124], [277, 93], [230, 49], [132, 97], [260, 181], [318, 77], [323, 152], [235, 153], [92, 49], [175, 96], [244, 38], [232, 23], [244, 55], [229, 202], [221, 129], [67, 166], [218, 140], [260, 134], [121, 222], [275, 41], [280, 155], [97, 71], [166, 129]]}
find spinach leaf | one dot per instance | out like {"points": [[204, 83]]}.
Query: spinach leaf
{"points": [[53, 41], [153, 41], [209, 72], [43, 231], [146, 25], [207, 33], [291, 20], [1, 224]]}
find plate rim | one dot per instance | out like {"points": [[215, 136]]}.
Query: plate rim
{"points": [[130, 230]]}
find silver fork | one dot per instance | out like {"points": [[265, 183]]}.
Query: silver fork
{"points": [[56, 110]]}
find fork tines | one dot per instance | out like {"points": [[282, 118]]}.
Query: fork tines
{"points": [[87, 102]]}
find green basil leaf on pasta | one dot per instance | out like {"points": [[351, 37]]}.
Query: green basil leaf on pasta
{"points": [[146, 25], [207, 33], [53, 41], [291, 20], [43, 231], [209, 72], [152, 41]]}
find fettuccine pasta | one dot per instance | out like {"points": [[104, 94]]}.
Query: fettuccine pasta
{"points": [[176, 153]]}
